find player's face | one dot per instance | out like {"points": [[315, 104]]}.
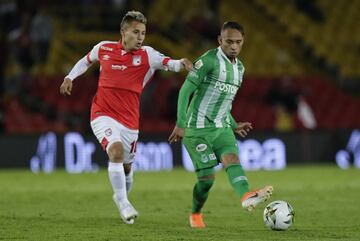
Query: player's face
{"points": [[133, 35], [231, 41]]}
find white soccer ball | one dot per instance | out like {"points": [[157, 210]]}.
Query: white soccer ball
{"points": [[279, 215]]}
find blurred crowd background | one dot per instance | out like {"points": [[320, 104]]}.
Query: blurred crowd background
{"points": [[301, 59]]}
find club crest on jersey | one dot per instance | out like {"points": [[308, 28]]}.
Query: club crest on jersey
{"points": [[108, 132], [136, 60], [198, 64]]}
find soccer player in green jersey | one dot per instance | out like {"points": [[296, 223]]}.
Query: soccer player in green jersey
{"points": [[207, 126]]}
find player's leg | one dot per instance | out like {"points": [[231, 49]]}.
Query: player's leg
{"points": [[206, 178], [129, 138], [204, 160], [235, 172], [116, 170], [226, 148], [107, 132], [128, 176]]}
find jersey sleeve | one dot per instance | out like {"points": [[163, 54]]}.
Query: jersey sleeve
{"points": [[84, 63], [156, 59], [93, 55], [202, 67], [79, 68], [183, 101], [233, 122]]}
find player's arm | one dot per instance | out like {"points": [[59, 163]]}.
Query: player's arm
{"points": [[177, 65], [193, 79], [159, 61], [240, 128], [183, 101], [79, 68]]}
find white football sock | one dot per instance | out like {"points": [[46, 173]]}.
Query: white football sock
{"points": [[117, 179], [129, 180]]}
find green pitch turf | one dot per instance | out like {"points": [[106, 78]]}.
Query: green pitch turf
{"points": [[79, 207]]}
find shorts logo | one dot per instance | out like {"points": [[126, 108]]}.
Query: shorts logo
{"points": [[108, 132], [136, 60], [201, 147], [212, 157], [131, 157], [204, 158]]}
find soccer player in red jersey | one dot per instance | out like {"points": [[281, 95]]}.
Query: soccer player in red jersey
{"points": [[125, 68]]}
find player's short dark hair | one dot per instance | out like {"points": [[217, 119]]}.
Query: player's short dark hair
{"points": [[132, 16], [233, 25]]}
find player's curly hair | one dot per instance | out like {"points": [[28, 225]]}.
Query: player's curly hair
{"points": [[132, 16]]}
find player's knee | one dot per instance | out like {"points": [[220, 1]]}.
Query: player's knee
{"points": [[127, 168], [206, 179], [230, 159], [206, 184], [116, 152]]}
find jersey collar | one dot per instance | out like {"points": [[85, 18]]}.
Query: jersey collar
{"points": [[123, 52], [224, 55]]}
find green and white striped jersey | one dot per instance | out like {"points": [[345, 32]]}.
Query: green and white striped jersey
{"points": [[217, 81]]}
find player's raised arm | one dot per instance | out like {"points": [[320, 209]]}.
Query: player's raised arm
{"points": [[186, 64], [79, 68], [159, 61]]}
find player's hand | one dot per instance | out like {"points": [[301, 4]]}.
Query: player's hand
{"points": [[187, 64], [66, 87], [176, 135], [243, 128]]}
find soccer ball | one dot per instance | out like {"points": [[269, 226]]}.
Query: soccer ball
{"points": [[279, 215]]}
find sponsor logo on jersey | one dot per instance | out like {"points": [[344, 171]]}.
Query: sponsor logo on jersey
{"points": [[201, 147], [118, 67], [228, 88], [108, 132], [106, 48], [106, 57], [136, 60], [198, 64]]}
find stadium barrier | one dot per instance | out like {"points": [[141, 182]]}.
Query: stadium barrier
{"points": [[261, 150]]}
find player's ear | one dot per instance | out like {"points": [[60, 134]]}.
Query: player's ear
{"points": [[122, 32], [123, 29], [219, 39]]}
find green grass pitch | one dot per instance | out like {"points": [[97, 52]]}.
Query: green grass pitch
{"points": [[63, 206]]}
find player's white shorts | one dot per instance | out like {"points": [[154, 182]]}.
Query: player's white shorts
{"points": [[107, 130]]}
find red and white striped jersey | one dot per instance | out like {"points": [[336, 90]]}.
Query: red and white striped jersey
{"points": [[123, 75]]}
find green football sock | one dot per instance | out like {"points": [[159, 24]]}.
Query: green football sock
{"points": [[200, 194], [237, 179]]}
